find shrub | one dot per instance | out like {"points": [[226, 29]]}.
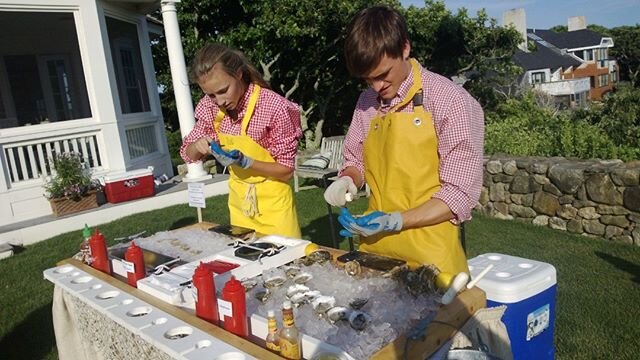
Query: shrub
{"points": [[70, 179]]}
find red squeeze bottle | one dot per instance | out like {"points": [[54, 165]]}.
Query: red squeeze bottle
{"points": [[206, 301], [135, 256], [98, 247], [233, 292]]}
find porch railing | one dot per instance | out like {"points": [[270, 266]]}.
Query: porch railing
{"points": [[29, 160]]}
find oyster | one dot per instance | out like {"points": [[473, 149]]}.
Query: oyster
{"points": [[319, 256], [298, 299], [352, 268], [249, 284], [311, 295], [295, 289], [337, 313], [274, 281], [323, 303], [358, 303], [419, 281], [291, 271], [262, 295], [302, 278], [359, 320]]}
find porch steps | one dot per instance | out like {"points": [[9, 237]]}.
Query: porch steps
{"points": [[170, 193]]}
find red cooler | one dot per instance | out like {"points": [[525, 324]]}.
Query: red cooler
{"points": [[130, 185]]}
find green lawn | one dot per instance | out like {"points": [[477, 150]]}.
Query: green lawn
{"points": [[598, 305]]}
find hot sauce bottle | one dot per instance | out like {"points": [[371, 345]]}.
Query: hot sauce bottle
{"points": [[206, 301], [272, 340], [135, 264], [235, 302], [290, 347], [99, 254]]}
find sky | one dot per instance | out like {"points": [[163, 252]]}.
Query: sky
{"points": [[544, 14]]}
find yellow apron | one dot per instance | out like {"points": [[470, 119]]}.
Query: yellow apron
{"points": [[401, 168], [257, 202]]}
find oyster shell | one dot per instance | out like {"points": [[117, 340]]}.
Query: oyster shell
{"points": [[323, 303], [359, 320], [338, 313], [262, 295], [358, 303], [302, 278], [319, 256], [274, 281], [352, 268], [295, 289]]}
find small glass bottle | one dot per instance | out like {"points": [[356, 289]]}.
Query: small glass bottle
{"points": [[290, 347], [85, 250], [272, 339]]}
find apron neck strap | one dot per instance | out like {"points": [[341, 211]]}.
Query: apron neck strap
{"points": [[415, 91], [250, 107], [253, 99]]}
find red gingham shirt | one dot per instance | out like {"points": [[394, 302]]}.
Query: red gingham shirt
{"points": [[459, 123], [275, 124]]}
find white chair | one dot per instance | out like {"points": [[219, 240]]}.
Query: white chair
{"points": [[332, 148]]}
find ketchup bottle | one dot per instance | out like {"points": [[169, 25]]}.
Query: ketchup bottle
{"points": [[233, 293], [135, 257], [98, 247], [206, 302]]}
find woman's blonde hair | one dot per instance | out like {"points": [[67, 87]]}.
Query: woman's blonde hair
{"points": [[231, 60]]}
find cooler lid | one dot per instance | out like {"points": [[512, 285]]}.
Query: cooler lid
{"points": [[512, 278], [126, 175]]}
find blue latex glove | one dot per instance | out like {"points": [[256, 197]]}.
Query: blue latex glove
{"points": [[369, 224], [226, 158]]}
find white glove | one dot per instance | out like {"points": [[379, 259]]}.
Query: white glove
{"points": [[335, 193]]}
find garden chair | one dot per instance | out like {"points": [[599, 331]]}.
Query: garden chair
{"points": [[322, 166]]}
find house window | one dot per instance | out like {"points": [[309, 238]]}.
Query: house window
{"points": [[614, 76], [588, 55], [537, 77], [603, 80], [44, 75], [127, 62]]}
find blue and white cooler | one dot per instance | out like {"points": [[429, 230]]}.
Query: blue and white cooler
{"points": [[528, 289]]}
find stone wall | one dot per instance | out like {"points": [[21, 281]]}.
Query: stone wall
{"points": [[593, 198]]}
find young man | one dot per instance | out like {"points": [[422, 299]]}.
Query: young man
{"points": [[416, 139]]}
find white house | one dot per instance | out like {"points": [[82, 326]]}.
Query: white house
{"points": [[75, 75]]}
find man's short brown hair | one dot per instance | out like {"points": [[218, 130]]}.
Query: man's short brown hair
{"points": [[374, 32]]}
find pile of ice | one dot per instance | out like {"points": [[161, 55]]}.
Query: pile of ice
{"points": [[188, 244], [393, 310]]}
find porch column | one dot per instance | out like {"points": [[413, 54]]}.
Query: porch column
{"points": [[184, 104]]}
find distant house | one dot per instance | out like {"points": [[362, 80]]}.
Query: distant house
{"points": [[75, 75], [572, 66]]}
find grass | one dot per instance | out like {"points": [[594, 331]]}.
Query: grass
{"points": [[598, 281]]}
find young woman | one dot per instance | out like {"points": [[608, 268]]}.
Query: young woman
{"points": [[252, 130]]}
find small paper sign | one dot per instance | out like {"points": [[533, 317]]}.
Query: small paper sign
{"points": [[225, 308], [129, 266], [196, 195]]}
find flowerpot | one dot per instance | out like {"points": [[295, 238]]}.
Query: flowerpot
{"points": [[63, 206]]}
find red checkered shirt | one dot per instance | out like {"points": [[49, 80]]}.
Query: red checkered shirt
{"points": [[275, 124], [459, 125]]}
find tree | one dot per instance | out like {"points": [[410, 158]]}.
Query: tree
{"points": [[626, 51], [298, 46], [473, 49]]}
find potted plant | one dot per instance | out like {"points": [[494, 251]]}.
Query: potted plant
{"points": [[70, 188]]}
